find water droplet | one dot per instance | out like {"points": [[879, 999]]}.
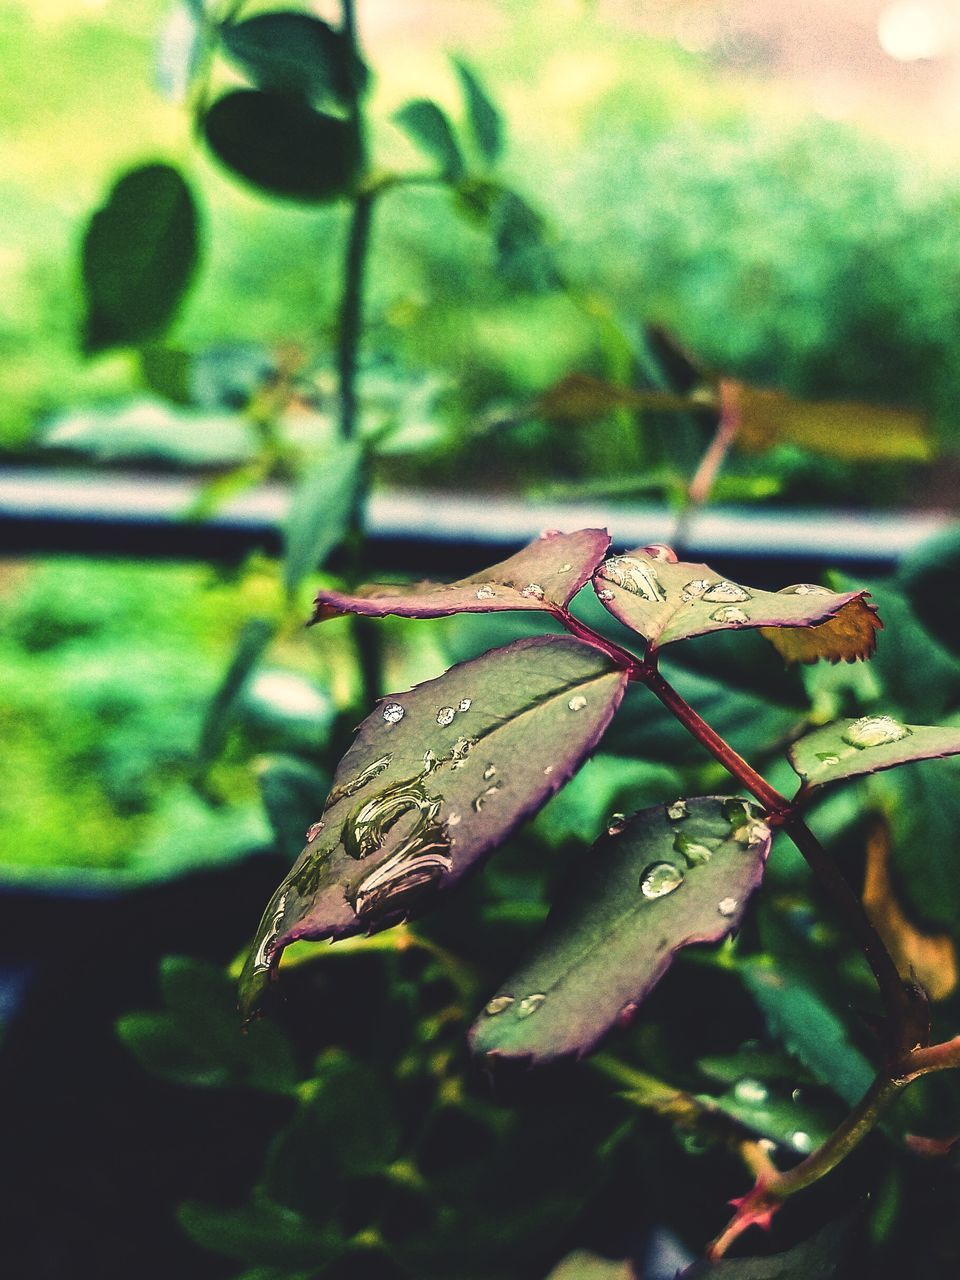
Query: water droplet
{"points": [[529, 1005], [497, 1005], [548, 770], [421, 854], [565, 568], [727, 906], [660, 551], [268, 942], [577, 702], [605, 594], [393, 713], [750, 1091], [489, 772], [445, 715], [454, 820], [616, 824], [628, 1013], [373, 770], [677, 810], [464, 704], [634, 576], [726, 593], [484, 796], [485, 593], [695, 589], [827, 757], [874, 731], [460, 750], [767, 1144], [532, 591], [801, 1141], [314, 830], [659, 879], [694, 851], [806, 589], [430, 761], [752, 833], [729, 615]]}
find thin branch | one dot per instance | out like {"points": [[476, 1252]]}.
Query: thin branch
{"points": [[701, 485]]}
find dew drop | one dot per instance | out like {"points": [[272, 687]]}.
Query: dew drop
{"points": [[445, 715], [726, 593], [529, 1005], [616, 824], [874, 731], [677, 810], [497, 1005], [660, 551], [430, 761], [827, 757], [694, 851], [806, 589], [393, 713], [729, 615], [532, 591], [628, 1013], [752, 833], [695, 589], [314, 830], [484, 796], [489, 772], [577, 703], [548, 770], [659, 879], [801, 1141], [460, 750], [565, 568], [605, 594], [635, 576], [454, 820], [464, 704], [485, 593], [750, 1091], [727, 907]]}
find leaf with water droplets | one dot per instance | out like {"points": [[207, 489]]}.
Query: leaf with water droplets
{"points": [[665, 600], [630, 906], [852, 748], [411, 809], [545, 575]]}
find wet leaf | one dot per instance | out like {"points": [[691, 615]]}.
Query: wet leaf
{"points": [[320, 511], [291, 53], [282, 146], [852, 748], [929, 958], [824, 1257], [430, 129], [798, 1127], [546, 575], [642, 894], [484, 119], [666, 600], [437, 778], [840, 429], [139, 255]]}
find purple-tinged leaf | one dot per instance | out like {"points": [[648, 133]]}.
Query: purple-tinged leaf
{"points": [[851, 748], [670, 876], [436, 778], [665, 600], [547, 574]]}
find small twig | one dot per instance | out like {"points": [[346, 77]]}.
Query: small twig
{"points": [[701, 485]]}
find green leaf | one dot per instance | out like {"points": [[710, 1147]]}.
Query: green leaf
{"points": [[665, 600], [519, 237], [262, 1232], [293, 793], [586, 805], [166, 370], [282, 146], [545, 575], [295, 53], [827, 1256], [590, 1266], [808, 1029], [430, 129], [139, 255], [852, 748], [198, 1040], [797, 1126], [320, 512], [486, 124], [437, 778], [923, 806], [668, 877], [928, 575], [253, 640]]}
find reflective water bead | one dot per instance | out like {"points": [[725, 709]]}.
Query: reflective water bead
{"points": [[806, 589], [728, 615], [485, 593], [677, 810], [577, 702], [874, 731], [727, 906], [445, 715], [489, 771], [530, 1004], [314, 830], [605, 595], [726, 593], [616, 824], [465, 704], [801, 1142], [695, 589], [532, 591], [660, 551], [497, 1005], [393, 713], [659, 879], [750, 1091]]}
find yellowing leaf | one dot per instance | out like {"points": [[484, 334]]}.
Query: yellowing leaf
{"points": [[841, 429], [580, 397], [849, 635], [930, 958]]}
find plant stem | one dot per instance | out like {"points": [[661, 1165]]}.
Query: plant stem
{"points": [[351, 310], [699, 488]]}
